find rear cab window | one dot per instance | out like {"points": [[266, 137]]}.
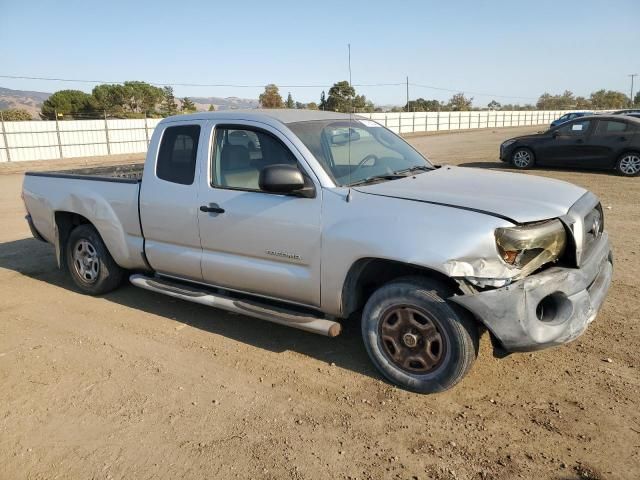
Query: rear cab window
{"points": [[177, 154]]}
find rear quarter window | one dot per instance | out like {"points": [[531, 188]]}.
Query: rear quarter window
{"points": [[611, 126], [178, 153]]}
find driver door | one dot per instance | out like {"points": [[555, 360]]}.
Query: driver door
{"points": [[565, 146], [258, 242]]}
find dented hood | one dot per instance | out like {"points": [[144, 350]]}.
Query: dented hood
{"points": [[516, 197]]}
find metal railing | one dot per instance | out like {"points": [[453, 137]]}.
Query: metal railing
{"points": [[55, 139], [416, 122]]}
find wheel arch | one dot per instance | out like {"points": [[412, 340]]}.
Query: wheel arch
{"points": [[622, 153], [65, 222], [524, 146], [367, 274]]}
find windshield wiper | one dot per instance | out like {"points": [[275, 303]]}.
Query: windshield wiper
{"points": [[417, 168], [385, 176]]}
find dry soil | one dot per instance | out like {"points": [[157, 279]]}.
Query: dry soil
{"points": [[138, 385]]}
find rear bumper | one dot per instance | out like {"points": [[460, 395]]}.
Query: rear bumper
{"points": [[549, 308], [34, 230]]}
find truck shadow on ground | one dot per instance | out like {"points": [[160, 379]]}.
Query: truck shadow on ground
{"points": [[36, 260]]}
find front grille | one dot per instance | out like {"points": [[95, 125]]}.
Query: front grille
{"points": [[585, 222]]}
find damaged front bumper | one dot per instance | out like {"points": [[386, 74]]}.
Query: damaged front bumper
{"points": [[549, 308]]}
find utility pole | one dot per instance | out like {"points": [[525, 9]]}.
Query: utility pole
{"points": [[632, 75], [407, 93]]}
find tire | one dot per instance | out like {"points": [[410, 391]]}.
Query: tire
{"points": [[90, 264], [523, 158], [628, 165], [428, 359]]}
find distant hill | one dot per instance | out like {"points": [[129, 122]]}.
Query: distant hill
{"points": [[27, 100], [32, 101], [229, 103]]}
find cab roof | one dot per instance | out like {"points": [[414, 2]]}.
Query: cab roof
{"points": [[282, 115]]}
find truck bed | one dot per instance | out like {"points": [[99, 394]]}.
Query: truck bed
{"points": [[106, 196], [125, 173]]}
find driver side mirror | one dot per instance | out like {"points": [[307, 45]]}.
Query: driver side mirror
{"points": [[555, 133], [285, 179]]}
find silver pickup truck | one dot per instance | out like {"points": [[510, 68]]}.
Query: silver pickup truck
{"points": [[310, 219]]}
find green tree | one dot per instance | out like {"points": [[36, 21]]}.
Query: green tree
{"points": [[212, 108], [565, 101], [70, 103], [311, 106], [271, 98], [323, 101], [342, 98], [422, 105], [142, 97], [636, 100], [111, 98], [361, 104], [583, 103], [493, 105], [15, 115], [511, 106], [290, 103], [168, 106], [460, 103], [609, 99], [300, 106], [188, 106], [545, 101]]}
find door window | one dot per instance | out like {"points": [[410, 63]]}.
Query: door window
{"points": [[575, 128], [240, 155], [610, 126], [177, 154]]}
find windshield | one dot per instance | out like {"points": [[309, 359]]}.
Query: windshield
{"points": [[375, 152]]}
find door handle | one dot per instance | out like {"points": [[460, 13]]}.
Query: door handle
{"points": [[579, 140], [623, 139], [211, 208]]}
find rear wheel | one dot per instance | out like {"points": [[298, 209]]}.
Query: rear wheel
{"points": [[416, 338], [522, 158], [629, 164], [92, 268]]}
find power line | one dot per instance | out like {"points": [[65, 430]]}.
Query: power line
{"points": [[241, 85], [181, 84], [456, 90]]}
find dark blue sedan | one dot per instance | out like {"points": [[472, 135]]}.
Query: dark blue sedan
{"points": [[568, 116]]}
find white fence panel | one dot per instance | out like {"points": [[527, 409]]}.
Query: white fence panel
{"points": [[20, 141]]}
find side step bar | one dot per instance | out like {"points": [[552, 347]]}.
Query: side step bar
{"points": [[263, 311]]}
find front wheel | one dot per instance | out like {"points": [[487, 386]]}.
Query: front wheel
{"points": [[90, 265], [628, 164], [522, 158], [416, 338]]}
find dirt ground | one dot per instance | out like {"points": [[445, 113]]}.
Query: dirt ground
{"points": [[138, 385]]}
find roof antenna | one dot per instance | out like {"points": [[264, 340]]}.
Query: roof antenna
{"points": [[349, 130]]}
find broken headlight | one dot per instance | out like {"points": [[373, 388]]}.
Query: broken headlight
{"points": [[528, 247]]}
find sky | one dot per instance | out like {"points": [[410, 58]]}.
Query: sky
{"points": [[510, 51]]}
